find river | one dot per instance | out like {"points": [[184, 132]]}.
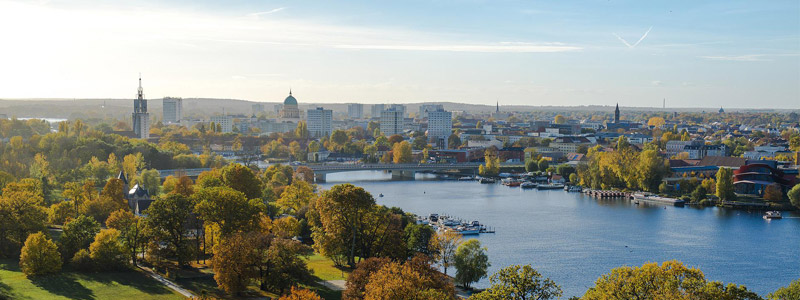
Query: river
{"points": [[573, 239]]}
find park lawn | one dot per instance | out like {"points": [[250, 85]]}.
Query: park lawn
{"points": [[132, 284], [323, 268]]}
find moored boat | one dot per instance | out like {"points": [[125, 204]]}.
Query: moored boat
{"points": [[550, 186], [773, 214], [528, 185], [487, 180]]}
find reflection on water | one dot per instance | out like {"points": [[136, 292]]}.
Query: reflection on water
{"points": [[573, 238]]}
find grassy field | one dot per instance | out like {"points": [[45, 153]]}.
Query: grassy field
{"points": [[323, 268], [82, 286]]}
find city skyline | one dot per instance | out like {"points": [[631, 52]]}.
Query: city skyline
{"points": [[596, 53]]}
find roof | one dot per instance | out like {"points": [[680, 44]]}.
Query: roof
{"points": [[142, 205], [290, 100], [122, 177], [138, 191], [722, 161], [575, 156], [674, 163]]}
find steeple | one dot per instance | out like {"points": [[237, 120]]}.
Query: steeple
{"points": [[616, 114], [498, 106], [290, 91]]}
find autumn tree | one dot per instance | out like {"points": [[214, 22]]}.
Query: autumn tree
{"points": [[340, 212], [234, 260], [296, 196], [107, 252], [773, 193], [415, 279], [792, 291], [656, 122], [300, 294], [39, 256], [241, 178], [794, 196], [286, 227], [725, 184], [531, 165], [670, 280], [357, 280], [559, 119], [471, 262], [446, 243], [282, 266], [303, 173], [453, 141], [114, 190], [77, 234], [20, 216], [418, 239], [167, 219], [151, 180], [131, 230], [228, 208], [519, 283], [401, 152]]}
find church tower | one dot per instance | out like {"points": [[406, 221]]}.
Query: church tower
{"points": [[140, 117], [616, 114]]}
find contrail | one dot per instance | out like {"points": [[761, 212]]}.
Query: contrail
{"points": [[637, 42]]}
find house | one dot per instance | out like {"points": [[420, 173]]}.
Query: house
{"points": [[138, 198]]}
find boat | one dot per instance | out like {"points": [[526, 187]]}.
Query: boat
{"points": [[434, 218], [468, 230], [380, 195], [488, 180], [573, 189], [773, 214], [512, 182], [550, 186], [528, 185], [648, 197], [466, 178]]}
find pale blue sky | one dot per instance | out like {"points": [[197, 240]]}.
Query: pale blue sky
{"points": [[693, 53]]}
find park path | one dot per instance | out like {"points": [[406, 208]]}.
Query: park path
{"points": [[166, 282], [336, 285]]}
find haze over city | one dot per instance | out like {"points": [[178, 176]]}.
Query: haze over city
{"points": [[742, 54]]}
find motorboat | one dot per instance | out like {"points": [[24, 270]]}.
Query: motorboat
{"points": [[528, 185], [488, 180], [466, 178], [773, 214], [433, 218], [380, 195], [550, 186], [468, 230]]}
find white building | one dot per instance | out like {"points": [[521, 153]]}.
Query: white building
{"points": [[140, 117], [319, 122], [399, 107], [173, 110], [377, 109], [392, 122], [425, 108], [440, 126], [225, 123], [355, 110]]}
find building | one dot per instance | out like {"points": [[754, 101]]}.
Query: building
{"points": [[425, 108], [225, 123], [676, 147], [497, 115], [616, 114], [290, 109], [440, 126], [701, 151], [257, 108], [392, 122], [355, 110], [399, 107], [173, 110], [753, 178], [377, 109], [319, 122], [140, 117]]}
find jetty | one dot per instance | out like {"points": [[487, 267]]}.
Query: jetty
{"points": [[606, 194]]}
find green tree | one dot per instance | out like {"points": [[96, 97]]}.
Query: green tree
{"points": [[794, 196], [531, 165], [419, 142], [168, 220], [650, 169], [77, 234], [791, 292], [107, 252], [338, 218], [228, 208], [402, 153], [418, 239], [670, 280], [39, 256], [20, 216], [519, 283], [471, 262], [699, 194], [131, 230], [151, 180], [241, 178], [543, 164], [296, 196], [725, 184], [453, 141]]}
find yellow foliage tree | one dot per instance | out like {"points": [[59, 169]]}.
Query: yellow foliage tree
{"points": [[39, 256]]}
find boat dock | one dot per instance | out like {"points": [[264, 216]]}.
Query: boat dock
{"points": [[606, 194]]}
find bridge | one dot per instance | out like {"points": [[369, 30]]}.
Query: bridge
{"points": [[407, 171]]}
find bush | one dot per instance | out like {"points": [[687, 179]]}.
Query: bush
{"points": [[39, 256], [82, 261]]}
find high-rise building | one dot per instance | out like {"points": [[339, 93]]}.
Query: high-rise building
{"points": [[140, 116], [225, 123], [377, 109], [425, 108], [257, 108], [399, 107], [290, 109], [173, 110], [392, 122], [440, 126], [355, 110], [319, 122]]}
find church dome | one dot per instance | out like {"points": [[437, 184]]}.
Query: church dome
{"points": [[290, 100]]}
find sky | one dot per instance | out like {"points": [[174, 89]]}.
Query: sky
{"points": [[742, 54]]}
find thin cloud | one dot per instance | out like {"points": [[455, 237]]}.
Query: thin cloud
{"points": [[750, 57], [272, 11], [637, 42], [488, 48]]}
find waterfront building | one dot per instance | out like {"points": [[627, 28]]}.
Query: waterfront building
{"points": [[391, 122], [319, 122], [440, 126], [225, 123], [172, 110], [140, 117], [355, 110], [753, 178]]}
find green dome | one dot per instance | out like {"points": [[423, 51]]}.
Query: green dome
{"points": [[290, 100]]}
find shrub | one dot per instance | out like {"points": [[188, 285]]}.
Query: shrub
{"points": [[39, 256]]}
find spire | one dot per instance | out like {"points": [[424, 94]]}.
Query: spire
{"points": [[498, 106], [290, 91]]}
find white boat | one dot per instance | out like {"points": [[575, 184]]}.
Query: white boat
{"points": [[773, 214], [466, 178], [487, 180], [528, 185], [551, 186], [471, 230]]}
